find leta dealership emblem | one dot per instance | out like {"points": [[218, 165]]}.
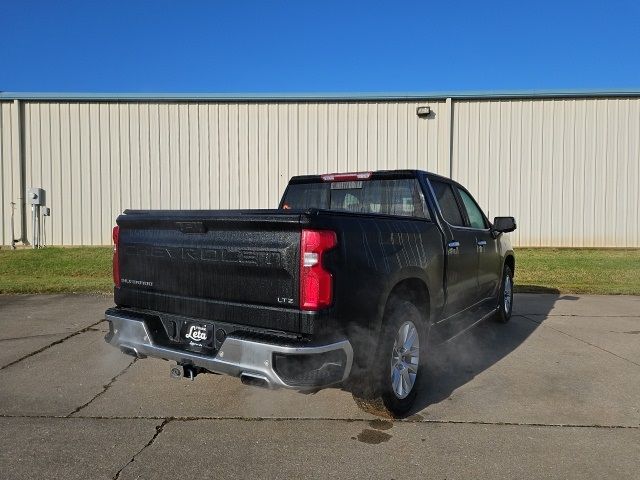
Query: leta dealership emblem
{"points": [[196, 333]]}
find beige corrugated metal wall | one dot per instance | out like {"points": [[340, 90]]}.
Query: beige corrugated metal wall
{"points": [[95, 160], [9, 170], [566, 169], [557, 165]]}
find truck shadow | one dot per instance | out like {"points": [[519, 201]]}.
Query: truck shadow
{"points": [[457, 362]]}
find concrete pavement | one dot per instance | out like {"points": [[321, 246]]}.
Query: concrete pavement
{"points": [[554, 393]]}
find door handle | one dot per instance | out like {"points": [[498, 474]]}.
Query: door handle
{"points": [[452, 247], [481, 243]]}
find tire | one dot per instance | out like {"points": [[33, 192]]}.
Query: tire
{"points": [[386, 390], [505, 296]]}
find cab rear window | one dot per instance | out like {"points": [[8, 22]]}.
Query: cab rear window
{"points": [[400, 197]]}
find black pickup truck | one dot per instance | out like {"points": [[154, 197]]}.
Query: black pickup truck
{"points": [[349, 282]]}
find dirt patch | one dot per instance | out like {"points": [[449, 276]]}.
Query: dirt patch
{"points": [[373, 437]]}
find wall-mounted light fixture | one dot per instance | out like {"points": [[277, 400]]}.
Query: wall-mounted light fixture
{"points": [[423, 111]]}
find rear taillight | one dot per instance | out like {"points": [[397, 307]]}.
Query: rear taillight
{"points": [[316, 283], [116, 256]]}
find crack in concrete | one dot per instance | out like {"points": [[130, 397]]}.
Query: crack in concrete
{"points": [[104, 387], [580, 340], [159, 429], [324, 419], [31, 336], [46, 347]]}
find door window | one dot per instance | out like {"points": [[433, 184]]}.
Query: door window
{"points": [[447, 202], [476, 218]]}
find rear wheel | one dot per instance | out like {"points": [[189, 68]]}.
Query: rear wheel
{"points": [[505, 296], [392, 383]]}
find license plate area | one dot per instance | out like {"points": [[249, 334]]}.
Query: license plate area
{"points": [[197, 336]]}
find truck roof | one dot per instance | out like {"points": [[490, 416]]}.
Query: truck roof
{"points": [[374, 175]]}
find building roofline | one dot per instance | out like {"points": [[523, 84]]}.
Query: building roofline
{"points": [[319, 96]]}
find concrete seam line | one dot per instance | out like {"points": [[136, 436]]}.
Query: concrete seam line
{"points": [[581, 340], [57, 342], [326, 419], [159, 429], [31, 336], [521, 315], [104, 387]]}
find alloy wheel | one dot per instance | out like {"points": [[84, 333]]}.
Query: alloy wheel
{"points": [[405, 359]]}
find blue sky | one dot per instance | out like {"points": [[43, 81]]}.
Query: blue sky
{"points": [[319, 46]]}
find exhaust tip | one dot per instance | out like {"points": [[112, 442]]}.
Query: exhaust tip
{"points": [[254, 380], [131, 351]]}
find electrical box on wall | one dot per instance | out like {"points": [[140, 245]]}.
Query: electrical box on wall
{"points": [[37, 196]]}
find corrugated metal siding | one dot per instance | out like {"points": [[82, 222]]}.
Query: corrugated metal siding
{"points": [[566, 169], [9, 172], [97, 159]]}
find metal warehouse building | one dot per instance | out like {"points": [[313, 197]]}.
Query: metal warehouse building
{"points": [[565, 165]]}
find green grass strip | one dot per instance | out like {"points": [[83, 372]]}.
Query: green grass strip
{"points": [[551, 270]]}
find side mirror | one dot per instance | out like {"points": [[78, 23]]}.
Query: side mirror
{"points": [[504, 224]]}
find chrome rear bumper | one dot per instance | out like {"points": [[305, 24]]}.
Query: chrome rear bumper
{"points": [[237, 357]]}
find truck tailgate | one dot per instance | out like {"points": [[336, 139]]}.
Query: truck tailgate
{"points": [[211, 264]]}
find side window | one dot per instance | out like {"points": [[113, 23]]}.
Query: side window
{"points": [[447, 201], [404, 199], [476, 219]]}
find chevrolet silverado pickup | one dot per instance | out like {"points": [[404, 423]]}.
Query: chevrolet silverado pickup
{"points": [[350, 282]]}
